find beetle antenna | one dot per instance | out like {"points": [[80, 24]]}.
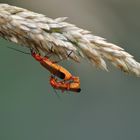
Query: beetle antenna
{"points": [[18, 50]]}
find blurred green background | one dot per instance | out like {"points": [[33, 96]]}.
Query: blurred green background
{"points": [[108, 108]]}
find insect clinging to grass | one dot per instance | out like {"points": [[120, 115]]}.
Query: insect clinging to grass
{"points": [[69, 82], [59, 38]]}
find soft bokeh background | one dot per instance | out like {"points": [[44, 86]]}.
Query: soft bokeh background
{"points": [[108, 108]]}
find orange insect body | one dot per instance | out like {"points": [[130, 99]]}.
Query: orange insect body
{"points": [[54, 68], [70, 82], [70, 86]]}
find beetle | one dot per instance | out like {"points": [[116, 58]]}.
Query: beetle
{"points": [[68, 83]]}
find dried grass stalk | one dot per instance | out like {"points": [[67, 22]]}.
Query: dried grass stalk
{"points": [[44, 35]]}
